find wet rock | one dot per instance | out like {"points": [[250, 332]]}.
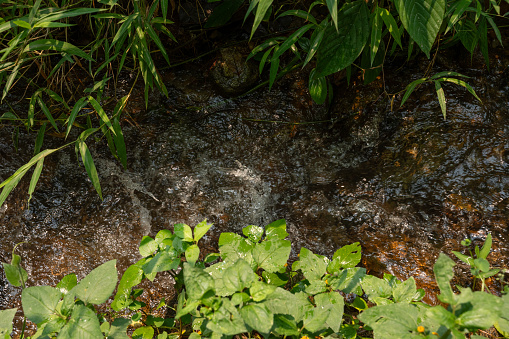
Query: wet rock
{"points": [[232, 73]]}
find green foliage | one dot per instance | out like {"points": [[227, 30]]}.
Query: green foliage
{"points": [[243, 293]]}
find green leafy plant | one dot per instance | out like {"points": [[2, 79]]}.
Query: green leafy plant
{"points": [[249, 288], [479, 266]]}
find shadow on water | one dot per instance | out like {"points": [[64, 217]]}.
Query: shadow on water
{"points": [[404, 183]]}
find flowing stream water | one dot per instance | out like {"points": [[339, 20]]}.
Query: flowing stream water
{"points": [[404, 182]]}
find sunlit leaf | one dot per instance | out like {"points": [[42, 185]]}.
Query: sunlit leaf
{"points": [[441, 97], [56, 45], [88, 162]]}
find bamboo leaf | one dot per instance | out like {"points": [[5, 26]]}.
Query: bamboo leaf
{"points": [[376, 34], [82, 102], [123, 31], [464, 84], [261, 9], [47, 113], [100, 111], [39, 139], [22, 24], [315, 43], [291, 40], [410, 88], [88, 162], [274, 66], [301, 14], [391, 24], [35, 179], [56, 45], [10, 79], [441, 97]]}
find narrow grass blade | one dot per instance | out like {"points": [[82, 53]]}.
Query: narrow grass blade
{"points": [[47, 113], [448, 73], [56, 45], [410, 88], [56, 97], [31, 110], [301, 14], [264, 59], [123, 29], [158, 42], [464, 84], [88, 162], [292, 39], [261, 9], [98, 108], [11, 79], [82, 102], [9, 186], [441, 97], [35, 179], [39, 139]]}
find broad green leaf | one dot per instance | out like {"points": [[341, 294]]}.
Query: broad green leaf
{"points": [[197, 282], [239, 276], [161, 262], [392, 321], [227, 320], [477, 310], [317, 88], [315, 318], [335, 303], [482, 264], [254, 233], [260, 290], [118, 329], [375, 287], [67, 283], [468, 34], [422, 19], [346, 257], [258, 317], [223, 13], [443, 270], [348, 280], [184, 232], [56, 45], [466, 259], [376, 34], [144, 332], [148, 246], [192, 254], [131, 277], [200, 230], [232, 247], [313, 266], [6, 318], [40, 302], [332, 6], [405, 292], [99, 284], [15, 274], [410, 88], [35, 179], [441, 97], [88, 162], [339, 48], [486, 248], [272, 255], [284, 302], [276, 230], [285, 325], [82, 324]]}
